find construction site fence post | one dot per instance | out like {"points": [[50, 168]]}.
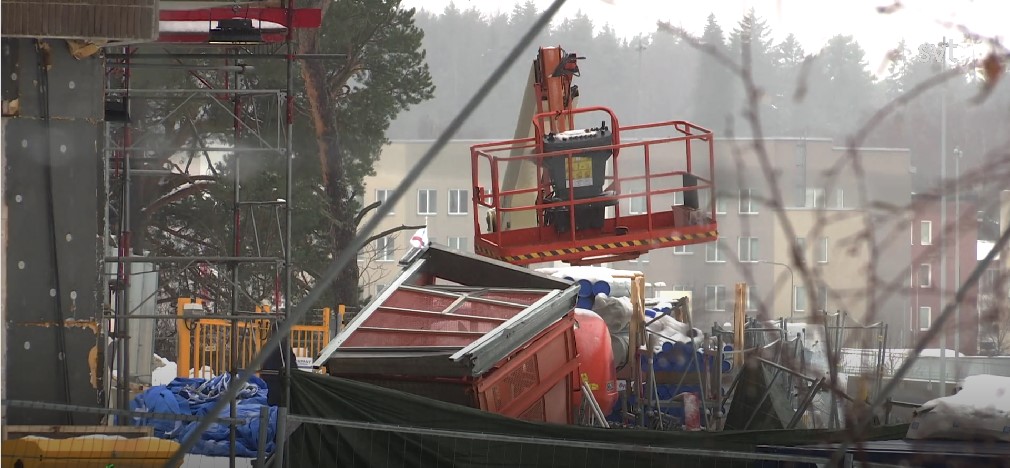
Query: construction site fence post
{"points": [[282, 437], [261, 449]]}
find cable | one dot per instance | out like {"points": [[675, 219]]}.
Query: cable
{"points": [[61, 334], [350, 252]]}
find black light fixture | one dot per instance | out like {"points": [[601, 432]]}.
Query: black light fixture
{"points": [[235, 31]]}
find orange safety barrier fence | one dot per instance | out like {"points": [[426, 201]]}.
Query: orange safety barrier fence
{"points": [[204, 345]]}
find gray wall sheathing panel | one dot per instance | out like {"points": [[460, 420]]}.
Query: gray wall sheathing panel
{"points": [[9, 80], [75, 86], [30, 250], [33, 367], [70, 141]]}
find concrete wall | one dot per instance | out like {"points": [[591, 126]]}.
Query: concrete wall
{"points": [[841, 272]]}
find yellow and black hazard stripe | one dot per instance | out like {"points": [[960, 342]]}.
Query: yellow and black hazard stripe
{"points": [[549, 255]]}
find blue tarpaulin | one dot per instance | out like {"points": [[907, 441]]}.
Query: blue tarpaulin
{"points": [[196, 397]]}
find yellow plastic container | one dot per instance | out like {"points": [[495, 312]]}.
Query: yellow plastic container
{"points": [[87, 451]]}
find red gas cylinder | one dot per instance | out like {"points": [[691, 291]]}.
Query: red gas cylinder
{"points": [[692, 412], [596, 359]]}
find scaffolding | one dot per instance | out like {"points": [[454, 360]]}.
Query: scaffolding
{"points": [[217, 82]]}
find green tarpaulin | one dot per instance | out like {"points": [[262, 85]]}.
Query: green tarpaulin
{"points": [[497, 441]]}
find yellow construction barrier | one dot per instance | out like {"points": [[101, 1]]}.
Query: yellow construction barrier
{"points": [[88, 451], [206, 343]]}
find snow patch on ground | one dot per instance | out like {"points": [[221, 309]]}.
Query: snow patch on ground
{"points": [[165, 372], [982, 396]]}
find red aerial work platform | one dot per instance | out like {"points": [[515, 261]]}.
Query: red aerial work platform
{"points": [[599, 195]]}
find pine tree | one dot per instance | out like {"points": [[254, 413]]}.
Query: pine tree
{"points": [[351, 105], [750, 45], [714, 85], [842, 91], [789, 88]]}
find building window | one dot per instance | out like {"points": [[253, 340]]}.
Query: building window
{"points": [[800, 247], [715, 297], [636, 205], [678, 198], [800, 178], [747, 203], [459, 202], [752, 302], [925, 275], [822, 250], [815, 198], [720, 204], [822, 298], [381, 196], [427, 201], [458, 243], [925, 232], [799, 299], [682, 250], [713, 253], [840, 198], [925, 317], [384, 249], [748, 249], [379, 287], [681, 287]]}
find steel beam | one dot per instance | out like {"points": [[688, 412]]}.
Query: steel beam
{"points": [[294, 18], [211, 56], [196, 259]]}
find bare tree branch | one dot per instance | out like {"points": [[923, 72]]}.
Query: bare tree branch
{"points": [[364, 211], [175, 196], [392, 230]]}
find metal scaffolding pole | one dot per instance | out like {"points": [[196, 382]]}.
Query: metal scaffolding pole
{"points": [[237, 251], [282, 453], [942, 391]]}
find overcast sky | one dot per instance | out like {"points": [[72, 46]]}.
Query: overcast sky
{"points": [[812, 21]]}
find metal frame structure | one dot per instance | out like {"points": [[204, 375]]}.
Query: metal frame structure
{"points": [[218, 70]]}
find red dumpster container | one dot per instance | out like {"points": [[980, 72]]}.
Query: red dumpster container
{"points": [[509, 351]]}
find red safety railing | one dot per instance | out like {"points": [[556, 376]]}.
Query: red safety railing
{"points": [[623, 232]]}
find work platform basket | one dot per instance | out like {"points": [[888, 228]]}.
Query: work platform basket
{"points": [[594, 195]]}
